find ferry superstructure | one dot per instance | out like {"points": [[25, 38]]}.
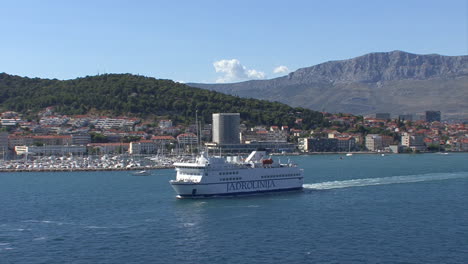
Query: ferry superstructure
{"points": [[216, 176]]}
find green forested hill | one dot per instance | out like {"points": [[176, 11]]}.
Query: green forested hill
{"points": [[126, 94]]}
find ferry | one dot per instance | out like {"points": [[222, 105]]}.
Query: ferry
{"points": [[209, 176]]}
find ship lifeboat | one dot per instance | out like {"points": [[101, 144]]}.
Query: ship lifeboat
{"points": [[267, 161]]}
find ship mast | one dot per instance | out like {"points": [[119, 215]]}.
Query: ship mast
{"points": [[196, 126]]}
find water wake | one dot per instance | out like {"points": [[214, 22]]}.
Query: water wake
{"points": [[385, 180]]}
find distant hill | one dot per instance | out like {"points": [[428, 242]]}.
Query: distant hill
{"points": [[133, 95], [396, 82]]}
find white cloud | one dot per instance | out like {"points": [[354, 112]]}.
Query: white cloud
{"points": [[281, 69], [234, 71]]}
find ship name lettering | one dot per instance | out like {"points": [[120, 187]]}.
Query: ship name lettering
{"points": [[250, 185]]}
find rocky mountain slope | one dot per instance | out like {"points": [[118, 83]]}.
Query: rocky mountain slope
{"points": [[396, 82]]}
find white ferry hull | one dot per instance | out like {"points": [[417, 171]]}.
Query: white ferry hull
{"points": [[195, 190], [216, 176]]}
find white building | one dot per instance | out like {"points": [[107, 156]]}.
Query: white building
{"points": [[264, 136], [376, 142], [10, 122], [81, 139], [187, 139], [142, 147], [108, 123], [165, 123], [50, 150], [416, 143]]}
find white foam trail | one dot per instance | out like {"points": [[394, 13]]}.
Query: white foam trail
{"points": [[385, 180], [96, 227]]}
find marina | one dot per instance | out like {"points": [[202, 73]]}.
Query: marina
{"points": [[87, 163]]}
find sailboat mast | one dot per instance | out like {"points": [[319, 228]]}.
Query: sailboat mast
{"points": [[196, 126]]}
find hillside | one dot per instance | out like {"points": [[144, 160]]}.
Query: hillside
{"points": [[133, 95], [395, 82]]}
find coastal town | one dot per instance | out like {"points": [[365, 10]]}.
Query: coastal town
{"points": [[62, 142]]}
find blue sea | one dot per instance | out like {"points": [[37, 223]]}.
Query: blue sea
{"points": [[360, 209]]}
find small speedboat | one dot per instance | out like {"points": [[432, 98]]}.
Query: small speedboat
{"points": [[141, 173]]}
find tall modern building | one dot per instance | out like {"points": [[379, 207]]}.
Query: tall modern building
{"points": [[432, 116], [406, 117], [226, 128], [384, 116]]}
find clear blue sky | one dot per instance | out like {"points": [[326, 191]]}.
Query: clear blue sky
{"points": [[181, 40]]}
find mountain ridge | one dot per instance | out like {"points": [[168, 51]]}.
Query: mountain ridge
{"points": [[412, 83]]}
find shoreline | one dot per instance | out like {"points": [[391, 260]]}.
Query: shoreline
{"points": [[161, 167]]}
